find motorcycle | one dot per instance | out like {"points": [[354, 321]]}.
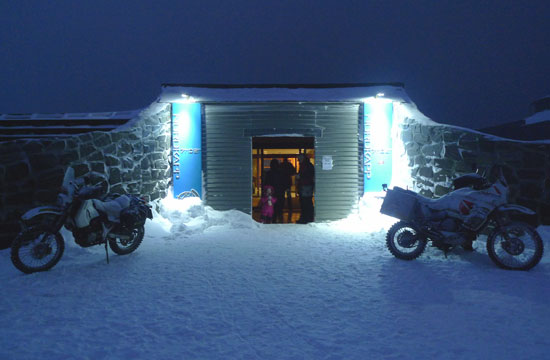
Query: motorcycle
{"points": [[475, 206], [93, 219]]}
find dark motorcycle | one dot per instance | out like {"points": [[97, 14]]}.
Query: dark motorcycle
{"points": [[117, 220], [458, 218]]}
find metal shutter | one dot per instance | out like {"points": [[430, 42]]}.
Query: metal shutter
{"points": [[227, 151]]}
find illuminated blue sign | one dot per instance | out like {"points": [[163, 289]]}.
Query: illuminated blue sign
{"points": [[186, 150], [377, 156]]}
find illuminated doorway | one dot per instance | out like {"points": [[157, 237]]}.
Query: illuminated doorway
{"points": [[264, 151]]}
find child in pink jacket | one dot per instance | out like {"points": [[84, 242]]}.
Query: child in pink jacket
{"points": [[267, 201]]}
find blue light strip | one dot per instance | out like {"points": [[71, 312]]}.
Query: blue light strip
{"points": [[186, 150], [377, 156]]}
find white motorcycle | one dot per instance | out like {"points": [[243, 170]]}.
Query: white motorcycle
{"points": [[115, 220], [458, 218]]}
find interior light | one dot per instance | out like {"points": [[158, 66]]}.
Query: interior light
{"points": [[381, 94]]}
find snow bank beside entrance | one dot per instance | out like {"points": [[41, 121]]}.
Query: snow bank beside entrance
{"points": [[187, 217]]}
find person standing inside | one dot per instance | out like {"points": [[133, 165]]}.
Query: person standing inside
{"points": [[288, 171], [268, 202], [306, 183], [273, 177]]}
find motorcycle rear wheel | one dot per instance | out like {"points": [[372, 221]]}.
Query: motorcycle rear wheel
{"points": [[404, 242], [515, 246], [36, 250], [125, 246]]}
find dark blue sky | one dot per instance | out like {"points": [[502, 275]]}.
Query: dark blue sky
{"points": [[469, 63]]}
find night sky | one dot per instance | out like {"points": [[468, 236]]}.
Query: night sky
{"points": [[468, 63]]}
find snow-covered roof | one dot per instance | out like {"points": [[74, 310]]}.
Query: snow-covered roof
{"points": [[27, 126], [538, 117], [72, 116], [281, 92]]}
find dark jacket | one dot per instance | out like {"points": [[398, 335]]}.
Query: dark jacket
{"points": [[288, 171], [274, 177], [307, 173]]}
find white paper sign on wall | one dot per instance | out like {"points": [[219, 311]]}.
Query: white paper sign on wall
{"points": [[327, 162]]}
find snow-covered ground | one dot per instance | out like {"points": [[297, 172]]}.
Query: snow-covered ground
{"points": [[216, 285]]}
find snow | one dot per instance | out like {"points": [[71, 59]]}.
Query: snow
{"points": [[73, 116], [352, 93], [541, 116], [217, 285]]}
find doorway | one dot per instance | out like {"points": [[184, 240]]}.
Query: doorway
{"points": [[264, 151]]}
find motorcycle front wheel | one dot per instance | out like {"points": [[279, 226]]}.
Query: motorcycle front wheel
{"points": [[36, 250], [404, 242], [126, 243], [515, 246]]}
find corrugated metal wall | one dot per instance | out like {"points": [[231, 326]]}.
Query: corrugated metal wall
{"points": [[227, 149], [336, 190]]}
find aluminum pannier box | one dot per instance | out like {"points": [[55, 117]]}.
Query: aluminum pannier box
{"points": [[400, 203]]}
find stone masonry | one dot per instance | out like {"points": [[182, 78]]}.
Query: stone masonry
{"points": [[438, 154], [132, 159]]}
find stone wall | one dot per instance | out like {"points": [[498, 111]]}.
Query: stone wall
{"points": [[132, 159], [438, 153]]}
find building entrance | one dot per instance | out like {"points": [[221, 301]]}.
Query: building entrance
{"points": [[268, 152]]}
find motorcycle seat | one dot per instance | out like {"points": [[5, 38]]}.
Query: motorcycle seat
{"points": [[112, 208]]}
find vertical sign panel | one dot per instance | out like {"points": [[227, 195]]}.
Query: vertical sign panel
{"points": [[186, 150], [378, 143]]}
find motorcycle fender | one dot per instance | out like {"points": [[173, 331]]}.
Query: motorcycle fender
{"points": [[517, 212], [40, 211], [516, 208]]}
